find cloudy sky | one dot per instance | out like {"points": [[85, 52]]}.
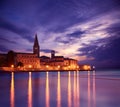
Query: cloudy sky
{"points": [[88, 30]]}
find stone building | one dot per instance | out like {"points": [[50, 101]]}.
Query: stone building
{"points": [[58, 62], [22, 60], [29, 60], [35, 61], [3, 60]]}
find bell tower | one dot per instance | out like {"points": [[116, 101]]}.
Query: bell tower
{"points": [[36, 47], [52, 53]]}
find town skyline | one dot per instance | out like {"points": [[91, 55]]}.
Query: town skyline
{"points": [[84, 30], [13, 61]]}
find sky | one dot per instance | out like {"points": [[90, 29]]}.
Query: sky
{"points": [[87, 30]]}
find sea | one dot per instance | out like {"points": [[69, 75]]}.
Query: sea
{"points": [[60, 89]]}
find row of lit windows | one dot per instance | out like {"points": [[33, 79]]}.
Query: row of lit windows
{"points": [[31, 63], [28, 61], [27, 56]]}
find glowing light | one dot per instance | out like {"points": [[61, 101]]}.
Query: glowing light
{"points": [[30, 66], [87, 67], [77, 67], [47, 66], [93, 67], [58, 66], [12, 66], [12, 94]]}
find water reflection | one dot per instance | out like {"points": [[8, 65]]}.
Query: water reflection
{"points": [[30, 90], [47, 90], [69, 89], [89, 89], [76, 92], [12, 94], [72, 87], [94, 90], [58, 91]]}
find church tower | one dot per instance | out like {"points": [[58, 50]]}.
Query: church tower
{"points": [[36, 48]]}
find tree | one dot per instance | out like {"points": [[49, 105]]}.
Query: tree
{"points": [[20, 64]]}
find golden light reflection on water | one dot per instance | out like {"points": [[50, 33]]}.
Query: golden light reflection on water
{"points": [[58, 91], [94, 90], [88, 88], [47, 90], [69, 89], [12, 94], [30, 90], [73, 89], [76, 91]]}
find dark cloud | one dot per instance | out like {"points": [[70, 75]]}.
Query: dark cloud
{"points": [[114, 29], [87, 49], [46, 50], [29, 50], [76, 34], [61, 40], [3, 48], [5, 40], [7, 25], [107, 56], [106, 52]]}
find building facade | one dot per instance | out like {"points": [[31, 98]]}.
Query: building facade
{"points": [[22, 60], [58, 63], [35, 61], [29, 60]]}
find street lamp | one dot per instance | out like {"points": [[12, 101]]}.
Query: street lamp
{"points": [[12, 66], [58, 67], [30, 66]]}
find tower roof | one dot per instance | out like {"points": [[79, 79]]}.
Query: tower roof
{"points": [[36, 41]]}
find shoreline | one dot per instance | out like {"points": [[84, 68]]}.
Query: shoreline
{"points": [[17, 71], [11, 69]]}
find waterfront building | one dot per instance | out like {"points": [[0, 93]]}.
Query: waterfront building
{"points": [[25, 61], [3, 59], [70, 64], [29, 60], [58, 62]]}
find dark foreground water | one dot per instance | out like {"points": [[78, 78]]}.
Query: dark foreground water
{"points": [[60, 89]]}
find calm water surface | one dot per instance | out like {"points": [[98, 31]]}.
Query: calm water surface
{"points": [[60, 89]]}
